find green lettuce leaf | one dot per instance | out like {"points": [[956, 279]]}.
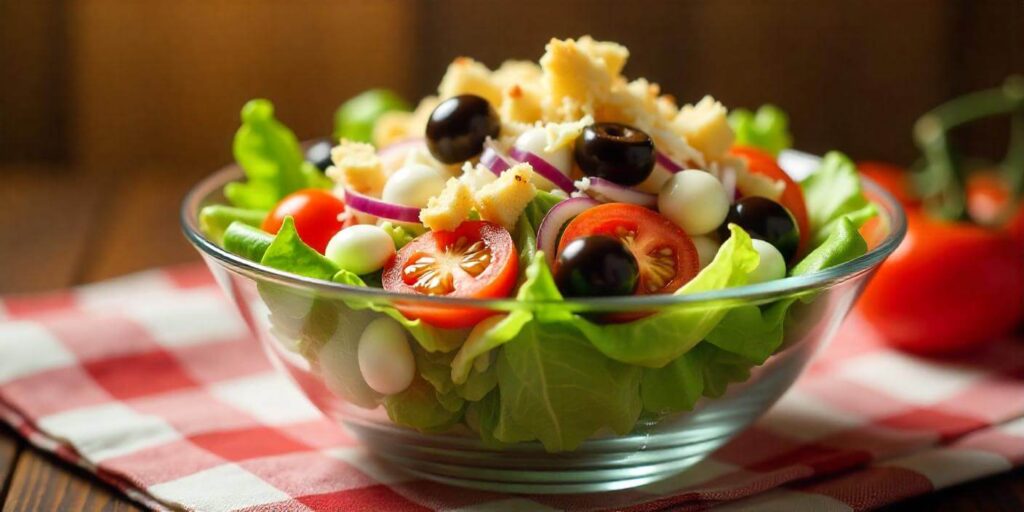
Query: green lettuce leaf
{"points": [[288, 252], [215, 219], [272, 159], [482, 417], [355, 119], [557, 389], [247, 241], [832, 193], [656, 340], [421, 407], [767, 130], [843, 244]]}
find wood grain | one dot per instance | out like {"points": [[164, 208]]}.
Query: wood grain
{"points": [[42, 484]]}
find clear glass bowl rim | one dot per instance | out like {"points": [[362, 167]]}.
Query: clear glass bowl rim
{"points": [[889, 206]]}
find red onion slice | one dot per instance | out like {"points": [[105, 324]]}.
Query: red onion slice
{"points": [[382, 209], [667, 163], [728, 177], [611, 192], [558, 216], [493, 160], [543, 168]]}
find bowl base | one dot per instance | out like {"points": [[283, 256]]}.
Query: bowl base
{"points": [[602, 465]]}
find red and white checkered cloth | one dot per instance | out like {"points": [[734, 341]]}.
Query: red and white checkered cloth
{"points": [[153, 383]]}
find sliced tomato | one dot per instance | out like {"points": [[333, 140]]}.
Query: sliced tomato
{"points": [[759, 162], [667, 256], [476, 260], [316, 213]]}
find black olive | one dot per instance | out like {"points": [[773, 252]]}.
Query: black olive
{"points": [[766, 220], [596, 266], [458, 127], [615, 152], [319, 154]]}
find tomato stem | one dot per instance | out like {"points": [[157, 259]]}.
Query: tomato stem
{"points": [[942, 179]]}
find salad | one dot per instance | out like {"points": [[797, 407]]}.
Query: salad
{"points": [[539, 182]]}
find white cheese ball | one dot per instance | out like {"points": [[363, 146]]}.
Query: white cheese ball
{"points": [[385, 359], [413, 185], [707, 248], [361, 249], [695, 201], [772, 265], [534, 141]]}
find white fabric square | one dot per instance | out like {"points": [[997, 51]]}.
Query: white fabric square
{"points": [[948, 466], [110, 430], [803, 416], [225, 487], [124, 290], [268, 397], [1012, 427], [27, 348], [908, 378], [187, 318]]}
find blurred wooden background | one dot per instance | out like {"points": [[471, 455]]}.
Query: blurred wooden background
{"points": [[122, 85]]}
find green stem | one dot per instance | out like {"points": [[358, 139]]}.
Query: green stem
{"points": [[942, 181]]}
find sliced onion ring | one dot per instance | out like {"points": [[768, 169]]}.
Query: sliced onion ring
{"points": [[611, 192], [558, 216], [542, 167], [401, 145], [493, 159], [667, 163], [382, 209]]}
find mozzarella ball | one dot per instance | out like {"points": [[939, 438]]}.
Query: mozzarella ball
{"points": [[772, 265], [707, 248], [695, 201], [534, 141], [413, 185], [385, 359], [361, 249]]}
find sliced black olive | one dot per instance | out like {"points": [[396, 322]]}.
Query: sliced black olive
{"points": [[615, 152], [766, 220], [319, 154], [458, 127], [596, 266]]}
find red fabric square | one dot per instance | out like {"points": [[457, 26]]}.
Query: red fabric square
{"points": [[320, 434], [93, 335], [377, 498], [247, 443], [308, 473], [35, 305], [53, 391], [139, 375], [162, 463], [943, 424], [210, 363]]}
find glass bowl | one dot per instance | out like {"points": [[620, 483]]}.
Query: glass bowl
{"points": [[310, 330]]}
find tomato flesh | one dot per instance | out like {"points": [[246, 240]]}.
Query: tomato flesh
{"points": [[316, 213], [476, 260], [666, 255], [759, 162]]}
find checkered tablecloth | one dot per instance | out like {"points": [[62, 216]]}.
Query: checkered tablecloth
{"points": [[153, 383]]}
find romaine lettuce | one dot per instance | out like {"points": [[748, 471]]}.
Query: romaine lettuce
{"points": [[215, 219], [832, 193], [272, 159], [767, 130]]}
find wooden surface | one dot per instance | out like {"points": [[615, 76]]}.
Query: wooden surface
{"points": [[63, 227]]}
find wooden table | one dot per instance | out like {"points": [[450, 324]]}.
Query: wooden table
{"points": [[62, 227]]}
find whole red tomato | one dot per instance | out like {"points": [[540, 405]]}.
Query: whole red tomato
{"points": [[949, 287]]}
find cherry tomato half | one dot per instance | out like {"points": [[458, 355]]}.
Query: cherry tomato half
{"points": [[316, 213], [476, 260], [949, 287], [759, 162], [665, 254]]}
